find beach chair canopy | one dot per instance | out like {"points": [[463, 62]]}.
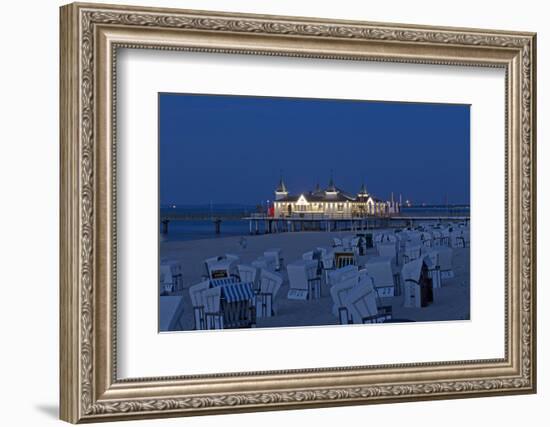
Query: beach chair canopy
{"points": [[344, 273], [239, 291], [224, 266], [412, 271]]}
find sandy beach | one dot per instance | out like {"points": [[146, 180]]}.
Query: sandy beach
{"points": [[451, 301]]}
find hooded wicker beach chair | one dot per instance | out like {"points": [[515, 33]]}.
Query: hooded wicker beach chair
{"points": [[212, 308], [338, 294], [197, 301], [362, 304], [270, 283]]}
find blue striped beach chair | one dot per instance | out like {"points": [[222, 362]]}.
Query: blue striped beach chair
{"points": [[237, 302]]}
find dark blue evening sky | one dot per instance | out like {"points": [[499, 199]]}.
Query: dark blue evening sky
{"points": [[231, 149]]}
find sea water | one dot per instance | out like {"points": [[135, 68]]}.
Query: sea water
{"points": [[183, 230]]}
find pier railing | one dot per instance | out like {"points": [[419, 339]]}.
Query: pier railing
{"points": [[311, 216]]}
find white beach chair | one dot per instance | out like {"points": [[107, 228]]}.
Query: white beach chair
{"points": [[439, 238], [358, 245], [315, 255], [461, 238], [347, 243], [197, 301], [362, 303], [383, 274], [167, 284], [264, 263], [386, 238], [248, 274], [327, 264], [338, 293], [327, 260], [304, 279], [323, 250], [207, 263], [176, 272], [446, 262], [270, 283], [418, 288], [466, 238], [446, 238], [434, 270], [426, 238], [276, 255], [401, 237], [212, 308]]}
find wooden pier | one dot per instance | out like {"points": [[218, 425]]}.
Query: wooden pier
{"points": [[263, 224], [166, 219]]}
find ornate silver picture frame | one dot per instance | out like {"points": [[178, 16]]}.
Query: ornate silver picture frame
{"points": [[91, 36]]}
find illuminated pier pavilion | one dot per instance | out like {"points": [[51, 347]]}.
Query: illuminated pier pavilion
{"points": [[329, 209], [330, 203]]}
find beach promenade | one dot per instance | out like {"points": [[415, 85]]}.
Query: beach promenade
{"points": [[451, 301]]}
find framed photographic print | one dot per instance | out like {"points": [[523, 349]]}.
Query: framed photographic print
{"points": [[263, 212]]}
